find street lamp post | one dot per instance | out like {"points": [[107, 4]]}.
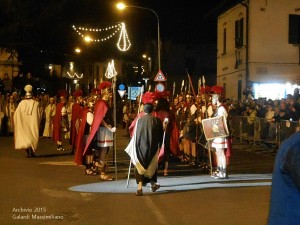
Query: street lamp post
{"points": [[122, 6]]}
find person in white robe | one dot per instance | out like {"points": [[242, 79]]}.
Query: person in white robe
{"points": [[49, 114], [26, 120]]}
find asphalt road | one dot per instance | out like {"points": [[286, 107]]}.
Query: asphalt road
{"points": [[51, 189]]}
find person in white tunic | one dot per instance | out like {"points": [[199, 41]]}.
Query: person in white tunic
{"points": [[220, 143], [49, 114], [27, 120]]}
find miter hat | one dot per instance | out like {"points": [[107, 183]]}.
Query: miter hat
{"points": [[104, 84], [148, 97], [28, 90]]}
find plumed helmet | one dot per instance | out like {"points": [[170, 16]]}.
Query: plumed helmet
{"points": [[28, 90], [77, 93], [148, 97], [104, 84]]}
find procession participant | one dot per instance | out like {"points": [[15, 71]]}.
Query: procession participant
{"points": [[148, 97], [60, 121], [26, 124], [189, 132], [102, 130], [220, 143], [86, 120], [75, 115], [167, 117], [49, 115], [144, 149], [10, 109]]}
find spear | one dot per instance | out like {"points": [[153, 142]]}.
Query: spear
{"points": [[182, 85], [173, 94], [191, 84]]}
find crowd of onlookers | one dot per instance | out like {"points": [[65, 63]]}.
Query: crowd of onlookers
{"points": [[269, 112]]}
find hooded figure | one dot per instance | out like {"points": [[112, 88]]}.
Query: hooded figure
{"points": [[26, 123], [143, 149]]}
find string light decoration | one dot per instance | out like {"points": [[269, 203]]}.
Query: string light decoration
{"points": [[123, 42], [79, 76], [111, 71], [81, 31]]}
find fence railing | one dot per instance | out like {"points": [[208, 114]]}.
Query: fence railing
{"points": [[260, 130]]}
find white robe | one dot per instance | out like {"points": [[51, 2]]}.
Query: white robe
{"points": [[50, 111], [27, 120]]}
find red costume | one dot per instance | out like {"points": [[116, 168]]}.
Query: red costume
{"points": [[80, 143], [99, 113], [76, 114], [57, 123]]}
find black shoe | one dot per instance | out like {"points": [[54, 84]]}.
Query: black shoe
{"points": [[31, 153], [139, 192], [155, 187], [27, 153]]}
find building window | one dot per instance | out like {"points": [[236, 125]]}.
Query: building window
{"points": [[239, 28], [294, 29], [224, 41]]}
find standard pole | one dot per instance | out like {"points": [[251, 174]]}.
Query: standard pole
{"points": [[115, 125]]}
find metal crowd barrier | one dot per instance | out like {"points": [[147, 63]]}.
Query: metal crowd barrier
{"points": [[270, 134]]}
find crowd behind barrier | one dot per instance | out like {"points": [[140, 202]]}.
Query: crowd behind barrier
{"points": [[261, 130]]}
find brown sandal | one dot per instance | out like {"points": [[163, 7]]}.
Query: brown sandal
{"points": [[106, 177]]}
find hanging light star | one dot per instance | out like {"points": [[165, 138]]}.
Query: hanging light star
{"points": [[123, 42], [111, 71]]}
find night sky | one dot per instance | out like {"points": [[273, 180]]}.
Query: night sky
{"points": [[34, 25]]}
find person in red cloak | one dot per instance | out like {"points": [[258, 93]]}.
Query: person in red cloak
{"points": [[60, 121], [171, 141], [86, 121], [101, 134], [148, 97], [76, 114]]}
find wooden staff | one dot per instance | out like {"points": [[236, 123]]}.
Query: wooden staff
{"points": [[191, 84], [138, 112]]}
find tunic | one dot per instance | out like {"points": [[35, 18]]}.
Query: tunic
{"points": [[220, 142], [49, 114]]}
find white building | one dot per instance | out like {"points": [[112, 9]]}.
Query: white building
{"points": [[259, 42]]}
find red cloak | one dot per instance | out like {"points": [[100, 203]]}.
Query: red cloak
{"points": [[172, 129], [132, 125], [99, 113], [76, 114], [78, 158], [57, 122]]}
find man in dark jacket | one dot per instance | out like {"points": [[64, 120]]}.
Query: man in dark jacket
{"points": [[285, 194]]}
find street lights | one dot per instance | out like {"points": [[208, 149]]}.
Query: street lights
{"points": [[122, 6]]}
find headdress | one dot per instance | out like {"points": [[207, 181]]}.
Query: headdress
{"points": [[62, 93], [77, 93], [148, 97], [104, 84], [217, 89], [28, 90]]}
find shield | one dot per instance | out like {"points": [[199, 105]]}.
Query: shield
{"points": [[215, 127]]}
